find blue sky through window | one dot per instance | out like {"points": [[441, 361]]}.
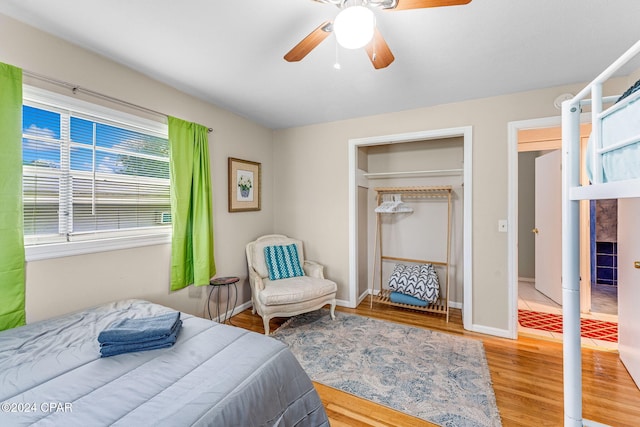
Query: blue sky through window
{"points": [[41, 146], [44, 127]]}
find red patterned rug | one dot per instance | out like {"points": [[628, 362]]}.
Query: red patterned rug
{"points": [[589, 328]]}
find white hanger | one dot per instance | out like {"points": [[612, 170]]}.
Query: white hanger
{"points": [[395, 205]]}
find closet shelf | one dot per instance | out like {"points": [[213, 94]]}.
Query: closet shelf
{"points": [[443, 191], [439, 306], [437, 172]]}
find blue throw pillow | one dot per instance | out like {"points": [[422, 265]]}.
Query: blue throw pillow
{"points": [[401, 298], [283, 262]]}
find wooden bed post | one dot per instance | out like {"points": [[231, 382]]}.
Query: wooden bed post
{"points": [[375, 257], [448, 248]]}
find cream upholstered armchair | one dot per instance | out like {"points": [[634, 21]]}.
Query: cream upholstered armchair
{"points": [[283, 283]]}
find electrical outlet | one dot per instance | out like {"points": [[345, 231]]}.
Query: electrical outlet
{"points": [[502, 226]]}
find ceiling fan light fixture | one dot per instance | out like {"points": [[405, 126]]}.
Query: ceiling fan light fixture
{"points": [[354, 27]]}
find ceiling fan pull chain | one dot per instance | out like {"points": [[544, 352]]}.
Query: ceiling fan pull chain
{"points": [[337, 63]]}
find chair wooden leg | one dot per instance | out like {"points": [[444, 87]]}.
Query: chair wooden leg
{"points": [[332, 311], [265, 321]]}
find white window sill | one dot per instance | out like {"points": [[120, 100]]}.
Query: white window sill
{"points": [[59, 250]]}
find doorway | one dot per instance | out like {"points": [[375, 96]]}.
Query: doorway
{"points": [[536, 263], [355, 177]]}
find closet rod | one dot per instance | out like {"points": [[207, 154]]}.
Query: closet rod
{"points": [[425, 172], [417, 261], [75, 89]]}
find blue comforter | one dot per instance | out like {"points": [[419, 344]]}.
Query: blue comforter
{"points": [[51, 374]]}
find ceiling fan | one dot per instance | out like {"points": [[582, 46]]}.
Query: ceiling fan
{"points": [[354, 27]]}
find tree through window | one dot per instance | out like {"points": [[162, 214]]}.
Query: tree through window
{"points": [[91, 176]]}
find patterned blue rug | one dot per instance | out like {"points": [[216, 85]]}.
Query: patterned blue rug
{"points": [[438, 377]]}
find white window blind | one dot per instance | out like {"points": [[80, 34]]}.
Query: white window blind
{"points": [[91, 173]]}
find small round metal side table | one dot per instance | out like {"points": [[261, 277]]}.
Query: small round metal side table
{"points": [[217, 283]]}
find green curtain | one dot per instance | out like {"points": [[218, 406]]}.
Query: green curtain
{"points": [[192, 260], [12, 260]]}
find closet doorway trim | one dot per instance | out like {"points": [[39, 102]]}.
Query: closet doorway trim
{"points": [[466, 133]]}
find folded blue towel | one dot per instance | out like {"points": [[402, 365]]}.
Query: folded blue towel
{"points": [[401, 298], [128, 331], [107, 350]]}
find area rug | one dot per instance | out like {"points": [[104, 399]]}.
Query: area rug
{"points": [[438, 377], [589, 328]]}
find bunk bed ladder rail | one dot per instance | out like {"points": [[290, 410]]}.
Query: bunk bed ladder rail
{"points": [[572, 372]]}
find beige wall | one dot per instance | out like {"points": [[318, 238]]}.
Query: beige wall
{"points": [[311, 163], [61, 285]]}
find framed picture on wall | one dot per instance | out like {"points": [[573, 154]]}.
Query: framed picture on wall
{"points": [[244, 185]]}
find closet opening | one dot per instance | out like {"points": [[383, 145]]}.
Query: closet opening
{"points": [[421, 159]]}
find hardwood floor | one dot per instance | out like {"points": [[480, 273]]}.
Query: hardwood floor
{"points": [[526, 375]]}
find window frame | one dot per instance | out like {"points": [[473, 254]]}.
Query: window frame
{"points": [[131, 239]]}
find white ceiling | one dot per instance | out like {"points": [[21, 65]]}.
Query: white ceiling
{"points": [[230, 53]]}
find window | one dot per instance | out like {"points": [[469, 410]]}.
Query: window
{"points": [[93, 178]]}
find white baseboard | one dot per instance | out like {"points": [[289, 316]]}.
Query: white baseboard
{"points": [[527, 279], [503, 333], [364, 295], [344, 303], [455, 304], [487, 330], [589, 423], [229, 314]]}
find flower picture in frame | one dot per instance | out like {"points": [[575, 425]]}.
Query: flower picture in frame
{"points": [[244, 185]]}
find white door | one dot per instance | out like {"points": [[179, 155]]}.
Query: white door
{"points": [[548, 228], [628, 289]]}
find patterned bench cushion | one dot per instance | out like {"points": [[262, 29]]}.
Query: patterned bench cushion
{"points": [[419, 281]]}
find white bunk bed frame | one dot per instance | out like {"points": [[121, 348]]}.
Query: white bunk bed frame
{"points": [[572, 193]]}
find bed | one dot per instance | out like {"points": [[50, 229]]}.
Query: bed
{"points": [[620, 140], [51, 373], [614, 163]]}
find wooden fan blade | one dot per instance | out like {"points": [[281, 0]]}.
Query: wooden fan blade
{"points": [[419, 4], [308, 43], [379, 52]]}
